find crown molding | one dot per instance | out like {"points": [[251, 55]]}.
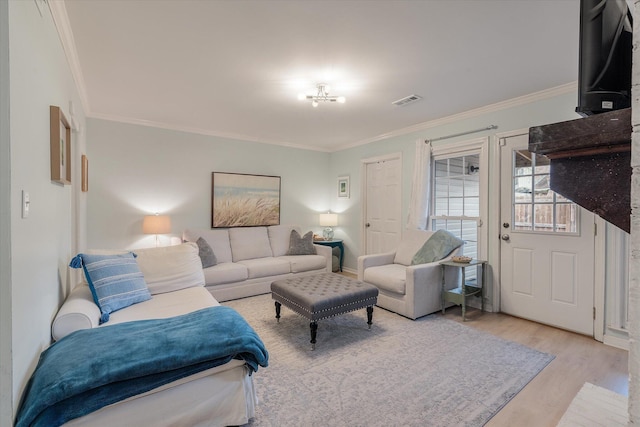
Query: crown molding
{"points": [[61, 21], [198, 131], [498, 106]]}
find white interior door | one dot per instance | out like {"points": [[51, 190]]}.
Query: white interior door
{"points": [[547, 245], [383, 194]]}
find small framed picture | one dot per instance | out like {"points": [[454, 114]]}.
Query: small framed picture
{"points": [[343, 187]]}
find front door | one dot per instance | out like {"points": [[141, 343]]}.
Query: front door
{"points": [[547, 245], [383, 209]]}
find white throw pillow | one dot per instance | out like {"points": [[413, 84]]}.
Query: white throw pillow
{"points": [[170, 268]]}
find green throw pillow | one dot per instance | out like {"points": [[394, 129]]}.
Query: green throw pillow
{"points": [[439, 245]]}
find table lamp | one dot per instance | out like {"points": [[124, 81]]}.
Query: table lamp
{"points": [[156, 224], [328, 220]]}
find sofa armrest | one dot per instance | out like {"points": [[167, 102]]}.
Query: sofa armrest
{"points": [[326, 252], [425, 273], [373, 260], [431, 273], [77, 312]]}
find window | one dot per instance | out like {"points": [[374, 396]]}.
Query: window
{"points": [[536, 207], [456, 199]]}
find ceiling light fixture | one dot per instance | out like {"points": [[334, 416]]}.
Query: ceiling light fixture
{"points": [[322, 96]]}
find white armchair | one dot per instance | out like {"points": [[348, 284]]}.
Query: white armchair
{"points": [[410, 290]]}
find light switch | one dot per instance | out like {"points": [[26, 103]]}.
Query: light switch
{"points": [[25, 204]]}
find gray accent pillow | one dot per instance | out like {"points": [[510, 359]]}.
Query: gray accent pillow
{"points": [[439, 245], [205, 253], [301, 245]]}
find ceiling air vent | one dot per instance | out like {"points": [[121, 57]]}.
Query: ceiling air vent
{"points": [[407, 100]]}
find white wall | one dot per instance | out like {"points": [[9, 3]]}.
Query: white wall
{"points": [[42, 244], [136, 170], [6, 398]]}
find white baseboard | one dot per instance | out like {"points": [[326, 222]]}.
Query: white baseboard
{"points": [[349, 270], [622, 343]]}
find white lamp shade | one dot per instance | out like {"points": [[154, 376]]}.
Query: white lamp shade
{"points": [[329, 220], [156, 224]]}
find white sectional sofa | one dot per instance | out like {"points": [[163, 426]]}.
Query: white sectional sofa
{"points": [[249, 259], [219, 396]]}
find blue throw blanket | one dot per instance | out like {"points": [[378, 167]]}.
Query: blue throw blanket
{"points": [[93, 368]]}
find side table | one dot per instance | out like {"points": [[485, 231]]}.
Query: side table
{"points": [[459, 295], [335, 243]]}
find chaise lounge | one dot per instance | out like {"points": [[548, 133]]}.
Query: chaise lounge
{"points": [[175, 361]]}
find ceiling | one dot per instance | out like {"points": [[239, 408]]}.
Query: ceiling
{"points": [[234, 68]]}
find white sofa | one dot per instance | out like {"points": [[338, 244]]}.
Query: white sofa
{"points": [[220, 396], [410, 290], [249, 259]]}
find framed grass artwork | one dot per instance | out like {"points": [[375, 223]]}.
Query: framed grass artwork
{"points": [[243, 200]]}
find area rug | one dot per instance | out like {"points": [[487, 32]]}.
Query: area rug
{"points": [[428, 372]]}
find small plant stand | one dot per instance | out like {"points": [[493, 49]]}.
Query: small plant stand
{"points": [[459, 295]]}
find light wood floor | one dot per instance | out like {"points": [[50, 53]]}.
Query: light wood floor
{"points": [[578, 359]]}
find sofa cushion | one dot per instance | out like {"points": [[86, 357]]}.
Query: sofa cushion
{"points": [[439, 245], [170, 268], [115, 281], [263, 267], [411, 242], [79, 311], [166, 305], [205, 253], [279, 236], [300, 263], [389, 277], [249, 243], [301, 245], [217, 239], [225, 272]]}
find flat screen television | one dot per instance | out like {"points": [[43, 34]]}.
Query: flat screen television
{"points": [[604, 71]]}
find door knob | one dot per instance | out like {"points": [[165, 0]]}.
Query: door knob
{"points": [[368, 225], [505, 237]]}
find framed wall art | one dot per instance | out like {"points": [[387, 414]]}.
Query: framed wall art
{"points": [[343, 187], [60, 146], [242, 200], [85, 173]]}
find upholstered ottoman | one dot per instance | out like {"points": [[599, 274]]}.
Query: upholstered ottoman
{"points": [[323, 295]]}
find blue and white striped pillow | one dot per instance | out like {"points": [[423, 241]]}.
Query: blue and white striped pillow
{"points": [[115, 281]]}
